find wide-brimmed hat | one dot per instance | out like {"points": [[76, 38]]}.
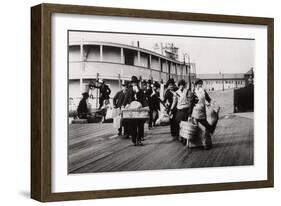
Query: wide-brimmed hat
{"points": [[134, 79], [170, 81], [156, 84], [198, 81], [85, 94], [182, 82]]}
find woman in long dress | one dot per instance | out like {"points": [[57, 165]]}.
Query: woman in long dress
{"points": [[200, 99]]}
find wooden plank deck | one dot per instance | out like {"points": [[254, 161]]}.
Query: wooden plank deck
{"points": [[96, 147]]}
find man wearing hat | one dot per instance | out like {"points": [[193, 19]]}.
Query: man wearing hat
{"points": [[118, 102], [136, 126], [104, 92], [147, 92], [82, 108], [168, 100]]}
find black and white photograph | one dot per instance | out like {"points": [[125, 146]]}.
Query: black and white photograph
{"points": [[159, 101]]}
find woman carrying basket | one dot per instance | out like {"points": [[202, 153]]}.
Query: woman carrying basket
{"points": [[199, 101], [182, 103]]}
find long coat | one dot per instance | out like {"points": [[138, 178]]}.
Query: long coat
{"points": [[82, 109], [118, 99]]}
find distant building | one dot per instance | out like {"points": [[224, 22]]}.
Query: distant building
{"points": [[115, 63], [222, 81]]}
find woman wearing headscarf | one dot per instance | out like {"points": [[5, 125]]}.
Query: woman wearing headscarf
{"points": [[200, 99], [82, 108]]}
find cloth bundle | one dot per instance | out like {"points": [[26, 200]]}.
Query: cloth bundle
{"points": [[212, 113], [163, 118]]}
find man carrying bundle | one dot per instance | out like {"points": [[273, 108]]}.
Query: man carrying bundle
{"points": [[136, 126]]}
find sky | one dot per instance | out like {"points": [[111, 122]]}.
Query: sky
{"points": [[211, 55]]}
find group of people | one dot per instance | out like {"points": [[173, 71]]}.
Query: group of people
{"points": [[148, 95], [180, 101], [184, 103]]}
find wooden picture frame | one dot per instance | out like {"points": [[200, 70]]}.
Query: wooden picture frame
{"points": [[41, 96]]}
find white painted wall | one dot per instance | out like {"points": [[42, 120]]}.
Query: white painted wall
{"points": [[218, 85], [15, 125]]}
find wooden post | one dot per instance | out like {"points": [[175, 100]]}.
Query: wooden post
{"points": [[139, 58], [167, 69], [97, 96], [122, 56], [150, 67], [81, 68], [119, 81], [101, 53]]}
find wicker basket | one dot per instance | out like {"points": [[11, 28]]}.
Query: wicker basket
{"points": [[188, 130], [141, 113]]}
